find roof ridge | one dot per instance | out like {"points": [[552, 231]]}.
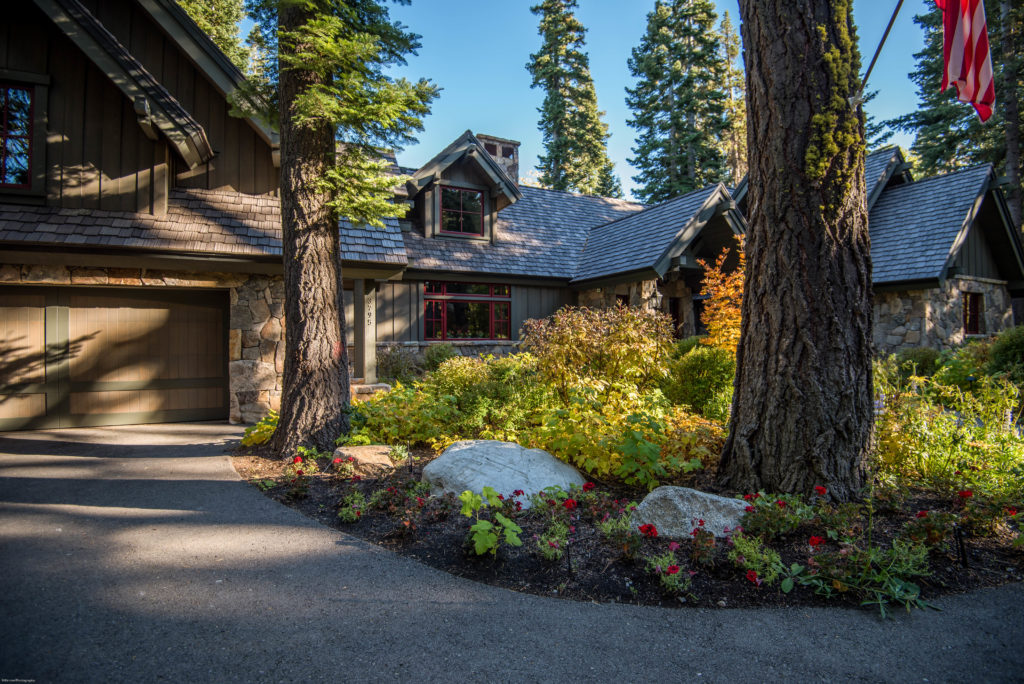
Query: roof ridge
{"points": [[651, 207], [580, 194], [941, 176]]}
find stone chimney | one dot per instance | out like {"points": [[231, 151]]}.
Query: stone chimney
{"points": [[505, 152]]}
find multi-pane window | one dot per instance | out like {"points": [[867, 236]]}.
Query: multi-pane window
{"points": [[972, 313], [462, 211], [466, 311], [15, 136]]}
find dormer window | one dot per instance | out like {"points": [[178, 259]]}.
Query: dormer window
{"points": [[15, 136], [462, 211]]}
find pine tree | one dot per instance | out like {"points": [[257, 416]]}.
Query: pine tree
{"points": [[575, 151], [220, 19], [336, 108], [734, 145], [678, 103], [948, 133]]}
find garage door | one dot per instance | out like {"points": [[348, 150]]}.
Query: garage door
{"points": [[77, 357]]}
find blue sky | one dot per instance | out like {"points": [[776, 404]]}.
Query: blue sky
{"points": [[476, 50]]}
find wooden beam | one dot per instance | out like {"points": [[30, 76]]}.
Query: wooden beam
{"points": [[364, 353]]}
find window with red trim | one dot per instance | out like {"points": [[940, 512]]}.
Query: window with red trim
{"points": [[462, 211], [15, 136], [466, 311], [972, 313]]}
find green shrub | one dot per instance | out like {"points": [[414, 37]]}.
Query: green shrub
{"points": [[919, 361], [397, 363], [685, 345], [262, 431], [958, 366], [1006, 356], [436, 354], [703, 380], [946, 439], [578, 348]]}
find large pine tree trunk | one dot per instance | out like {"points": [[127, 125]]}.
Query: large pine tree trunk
{"points": [[316, 381], [1011, 109], [803, 410]]}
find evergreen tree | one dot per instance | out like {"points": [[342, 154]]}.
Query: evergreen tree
{"points": [[679, 105], [575, 152], [336, 108], [948, 133], [219, 19], [734, 143]]}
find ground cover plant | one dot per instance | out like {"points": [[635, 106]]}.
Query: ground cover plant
{"points": [[940, 514]]}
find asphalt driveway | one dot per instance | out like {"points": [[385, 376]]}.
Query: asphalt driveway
{"points": [[135, 554]]}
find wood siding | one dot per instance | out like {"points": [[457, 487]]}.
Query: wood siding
{"points": [[96, 156], [243, 160], [975, 257], [537, 302]]}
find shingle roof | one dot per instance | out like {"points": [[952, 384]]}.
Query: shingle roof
{"points": [[541, 235], [913, 226], [875, 165], [207, 221], [638, 241]]}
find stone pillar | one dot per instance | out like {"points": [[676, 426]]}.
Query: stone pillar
{"points": [[364, 354]]}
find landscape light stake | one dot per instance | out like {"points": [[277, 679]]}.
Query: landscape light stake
{"points": [[961, 549]]}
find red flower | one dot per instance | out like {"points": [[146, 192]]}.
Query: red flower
{"points": [[569, 504], [1011, 511], [922, 514], [501, 497], [649, 530], [756, 496], [356, 478], [749, 509], [816, 541], [587, 486], [965, 494], [297, 459], [780, 503], [700, 523], [298, 472], [672, 546], [752, 576], [519, 505], [748, 497], [819, 490], [419, 500], [518, 492], [552, 502], [672, 569], [350, 459], [337, 461]]}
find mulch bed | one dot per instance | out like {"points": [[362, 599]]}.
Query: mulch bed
{"points": [[592, 569]]}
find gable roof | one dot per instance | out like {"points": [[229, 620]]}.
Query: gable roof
{"points": [[642, 240], [204, 53], [916, 228], [541, 236], [153, 103], [466, 146], [209, 222]]}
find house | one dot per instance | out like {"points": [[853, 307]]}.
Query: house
{"points": [[140, 245]]}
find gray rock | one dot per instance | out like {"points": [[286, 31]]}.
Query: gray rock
{"points": [[505, 466], [369, 461], [249, 375], [674, 511]]}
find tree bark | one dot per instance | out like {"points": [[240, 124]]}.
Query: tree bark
{"points": [[803, 408], [1011, 110], [315, 399]]}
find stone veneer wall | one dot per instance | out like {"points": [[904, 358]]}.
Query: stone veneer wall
{"points": [[463, 347], [642, 293], [255, 332], [933, 317]]}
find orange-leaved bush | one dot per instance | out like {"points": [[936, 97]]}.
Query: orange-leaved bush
{"points": [[725, 298]]}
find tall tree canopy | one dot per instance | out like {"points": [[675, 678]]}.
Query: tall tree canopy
{"points": [[947, 133], [734, 142], [575, 138], [219, 19], [679, 101], [802, 410], [336, 108]]}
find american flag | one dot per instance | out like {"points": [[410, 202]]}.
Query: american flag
{"points": [[966, 55]]}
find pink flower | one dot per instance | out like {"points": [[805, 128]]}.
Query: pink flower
{"points": [[819, 490], [673, 546]]}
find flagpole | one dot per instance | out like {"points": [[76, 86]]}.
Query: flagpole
{"points": [[859, 97]]}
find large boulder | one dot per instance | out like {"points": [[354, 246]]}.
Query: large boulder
{"points": [[505, 466], [368, 461], [674, 511]]}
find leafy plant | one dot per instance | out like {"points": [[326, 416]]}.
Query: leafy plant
{"points": [[703, 550], [436, 354], [775, 515], [297, 476], [553, 542], [265, 484], [352, 507], [620, 532], [262, 431], [918, 361], [962, 367], [703, 380], [397, 363], [930, 527], [1006, 356], [488, 535], [750, 553], [673, 579], [724, 289]]}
